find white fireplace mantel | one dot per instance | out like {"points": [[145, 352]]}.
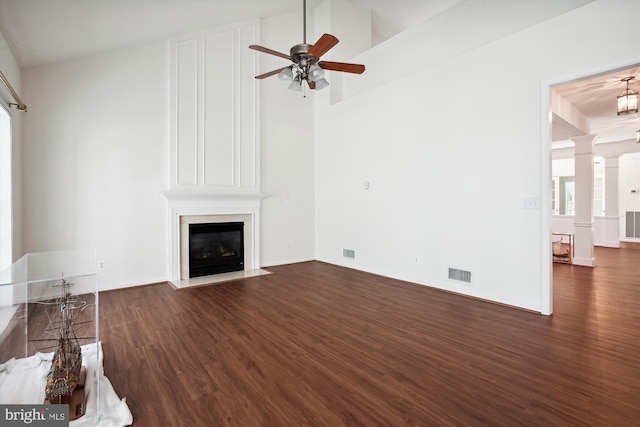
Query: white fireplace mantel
{"points": [[200, 204], [218, 198]]}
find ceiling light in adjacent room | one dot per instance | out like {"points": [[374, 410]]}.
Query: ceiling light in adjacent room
{"points": [[628, 100]]}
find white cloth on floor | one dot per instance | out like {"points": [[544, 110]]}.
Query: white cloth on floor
{"points": [[22, 381]]}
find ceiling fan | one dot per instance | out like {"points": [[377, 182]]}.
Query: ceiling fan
{"points": [[306, 64]]}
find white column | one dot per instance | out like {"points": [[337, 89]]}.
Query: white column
{"points": [[583, 221], [611, 209]]}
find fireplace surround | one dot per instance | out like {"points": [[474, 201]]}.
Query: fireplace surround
{"points": [[191, 208]]}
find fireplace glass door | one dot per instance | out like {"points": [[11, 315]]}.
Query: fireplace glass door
{"points": [[215, 248]]}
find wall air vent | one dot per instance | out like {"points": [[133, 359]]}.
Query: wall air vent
{"points": [[632, 220], [348, 253], [459, 275]]}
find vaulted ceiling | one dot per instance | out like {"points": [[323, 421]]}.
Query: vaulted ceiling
{"points": [[41, 31], [44, 31]]}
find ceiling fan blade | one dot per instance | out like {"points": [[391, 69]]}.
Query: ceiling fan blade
{"points": [[312, 85], [342, 66], [322, 46], [270, 73], [269, 51]]}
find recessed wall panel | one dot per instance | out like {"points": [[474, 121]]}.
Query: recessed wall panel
{"points": [[214, 105], [247, 126], [187, 112], [219, 106]]}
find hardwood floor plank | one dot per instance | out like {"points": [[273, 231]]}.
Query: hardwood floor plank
{"points": [[315, 344]]}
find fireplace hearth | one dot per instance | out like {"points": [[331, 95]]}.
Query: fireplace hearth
{"points": [[215, 248]]}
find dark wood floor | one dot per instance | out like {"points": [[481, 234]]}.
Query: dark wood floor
{"points": [[319, 345]]}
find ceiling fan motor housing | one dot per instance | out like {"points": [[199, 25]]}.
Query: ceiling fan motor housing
{"points": [[299, 56]]}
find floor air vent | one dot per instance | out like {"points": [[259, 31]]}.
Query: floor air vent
{"points": [[459, 275]]}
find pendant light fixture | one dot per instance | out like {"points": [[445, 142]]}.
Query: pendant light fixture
{"points": [[628, 100]]}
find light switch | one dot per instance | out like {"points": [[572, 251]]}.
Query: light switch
{"points": [[530, 203]]}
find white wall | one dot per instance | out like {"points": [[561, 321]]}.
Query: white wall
{"points": [[563, 167], [629, 180], [287, 141], [96, 153], [449, 156], [446, 181]]}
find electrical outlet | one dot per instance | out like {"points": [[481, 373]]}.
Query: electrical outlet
{"points": [[102, 265]]}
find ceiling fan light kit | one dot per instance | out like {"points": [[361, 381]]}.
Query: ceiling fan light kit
{"points": [[306, 65], [627, 100], [286, 75], [321, 84], [296, 85], [315, 73]]}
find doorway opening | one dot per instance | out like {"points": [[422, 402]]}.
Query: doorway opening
{"points": [[592, 100]]}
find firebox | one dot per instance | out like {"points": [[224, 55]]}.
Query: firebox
{"points": [[215, 248]]}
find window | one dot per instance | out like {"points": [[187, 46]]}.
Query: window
{"points": [[563, 187], [6, 227], [567, 195]]}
